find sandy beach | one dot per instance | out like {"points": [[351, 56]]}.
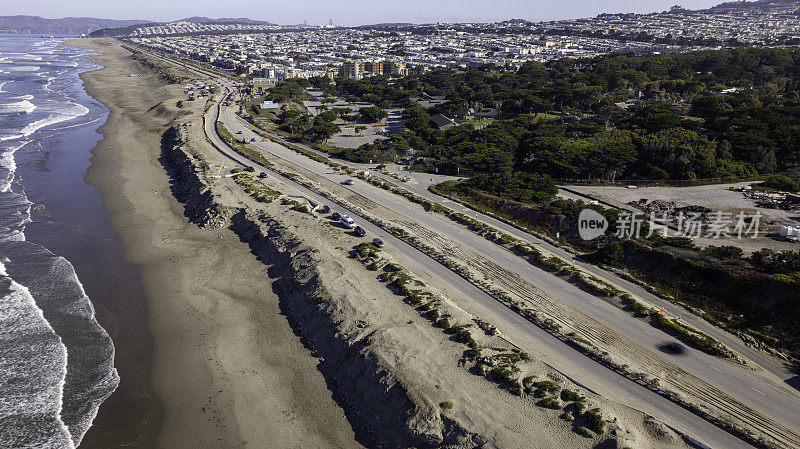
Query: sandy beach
{"points": [[227, 369]]}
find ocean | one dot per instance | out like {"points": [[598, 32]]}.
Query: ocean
{"points": [[56, 360]]}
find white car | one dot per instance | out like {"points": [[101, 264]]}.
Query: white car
{"points": [[348, 182], [348, 222]]}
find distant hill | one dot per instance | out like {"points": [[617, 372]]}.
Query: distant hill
{"points": [[225, 20], [66, 25], [126, 30], [387, 25], [752, 5]]}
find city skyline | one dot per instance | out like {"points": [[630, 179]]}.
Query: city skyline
{"points": [[350, 13]]}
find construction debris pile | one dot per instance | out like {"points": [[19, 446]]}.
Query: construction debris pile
{"points": [[660, 208], [772, 199]]}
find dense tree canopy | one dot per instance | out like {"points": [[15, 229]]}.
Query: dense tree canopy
{"points": [[704, 114]]}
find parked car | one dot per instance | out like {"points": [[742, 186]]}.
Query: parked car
{"points": [[348, 182], [361, 232], [336, 215], [378, 242], [262, 175], [347, 221], [249, 168], [252, 139], [324, 209]]}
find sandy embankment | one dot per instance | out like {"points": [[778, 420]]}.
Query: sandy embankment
{"points": [[227, 367]]}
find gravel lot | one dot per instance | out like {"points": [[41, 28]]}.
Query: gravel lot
{"points": [[716, 197]]}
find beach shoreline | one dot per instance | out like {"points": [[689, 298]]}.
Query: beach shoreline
{"points": [[227, 369]]}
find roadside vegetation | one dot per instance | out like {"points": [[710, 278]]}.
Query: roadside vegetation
{"points": [[240, 146], [254, 187], [496, 364]]}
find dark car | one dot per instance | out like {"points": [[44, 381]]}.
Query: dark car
{"points": [[378, 242], [360, 231], [262, 175], [324, 209], [336, 215], [249, 168]]}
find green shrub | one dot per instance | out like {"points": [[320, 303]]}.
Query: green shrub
{"points": [[634, 305], [392, 267], [301, 208], [365, 250], [446, 405], [548, 386], [505, 239], [680, 242], [782, 183], [610, 254], [570, 395], [550, 403], [583, 431], [503, 375], [464, 336], [473, 353], [594, 420]]}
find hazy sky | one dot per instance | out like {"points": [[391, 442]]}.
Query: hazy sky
{"points": [[351, 12]]}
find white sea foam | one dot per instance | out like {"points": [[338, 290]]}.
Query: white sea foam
{"points": [[18, 106], [9, 165], [68, 113], [25, 68], [37, 376]]}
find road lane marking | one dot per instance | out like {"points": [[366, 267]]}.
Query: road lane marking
{"points": [[753, 388], [715, 369]]}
